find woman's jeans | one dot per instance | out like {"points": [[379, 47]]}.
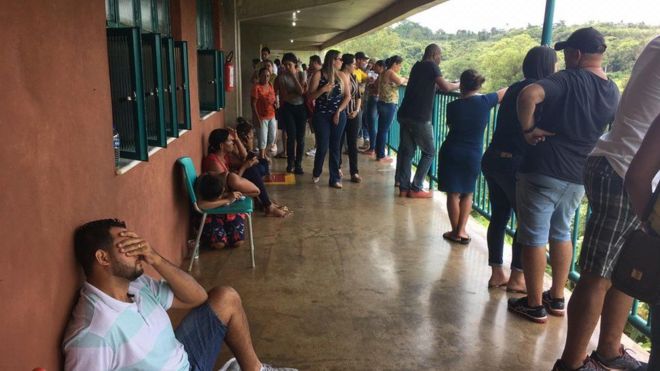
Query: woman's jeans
{"points": [[256, 174], [352, 133], [371, 119], [328, 138], [500, 174], [386, 113], [295, 117]]}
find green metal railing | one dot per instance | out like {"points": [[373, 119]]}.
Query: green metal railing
{"points": [[481, 203]]}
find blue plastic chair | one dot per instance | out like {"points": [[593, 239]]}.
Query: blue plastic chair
{"points": [[241, 206]]}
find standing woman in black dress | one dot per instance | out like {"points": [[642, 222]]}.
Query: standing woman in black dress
{"points": [[500, 164]]}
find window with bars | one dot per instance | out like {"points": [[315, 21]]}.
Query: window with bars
{"points": [[210, 62], [148, 75]]}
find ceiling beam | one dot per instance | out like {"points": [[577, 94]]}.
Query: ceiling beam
{"points": [[393, 13], [287, 32], [257, 9]]}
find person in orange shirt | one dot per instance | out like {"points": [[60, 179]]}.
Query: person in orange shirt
{"points": [[263, 111]]}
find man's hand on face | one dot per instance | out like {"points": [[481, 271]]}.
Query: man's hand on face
{"points": [[134, 245]]}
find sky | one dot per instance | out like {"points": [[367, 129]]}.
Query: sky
{"points": [[476, 15]]}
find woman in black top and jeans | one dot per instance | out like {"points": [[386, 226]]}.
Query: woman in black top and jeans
{"points": [[500, 164]]}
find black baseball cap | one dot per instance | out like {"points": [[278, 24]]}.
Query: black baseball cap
{"points": [[586, 40], [361, 55]]}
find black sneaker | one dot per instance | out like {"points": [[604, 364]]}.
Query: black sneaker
{"points": [[534, 314], [289, 169], [299, 171], [623, 362], [555, 306], [588, 365]]}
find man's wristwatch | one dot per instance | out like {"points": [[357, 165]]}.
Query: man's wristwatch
{"points": [[529, 130]]}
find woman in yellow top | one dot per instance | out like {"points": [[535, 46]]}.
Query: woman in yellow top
{"points": [[388, 100]]}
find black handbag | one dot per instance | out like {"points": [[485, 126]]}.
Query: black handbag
{"points": [[637, 272]]}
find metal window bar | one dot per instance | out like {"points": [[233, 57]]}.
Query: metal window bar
{"points": [[182, 84], [481, 201], [169, 87], [125, 64], [153, 89], [205, 38], [210, 86]]}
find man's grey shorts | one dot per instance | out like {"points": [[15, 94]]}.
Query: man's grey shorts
{"points": [[545, 208]]}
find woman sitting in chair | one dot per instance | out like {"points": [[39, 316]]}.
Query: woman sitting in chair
{"points": [[227, 153], [221, 230]]}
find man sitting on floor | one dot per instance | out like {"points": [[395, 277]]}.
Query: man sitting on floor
{"points": [[120, 320]]}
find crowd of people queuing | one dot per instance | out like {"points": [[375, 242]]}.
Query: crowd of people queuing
{"points": [[550, 144]]}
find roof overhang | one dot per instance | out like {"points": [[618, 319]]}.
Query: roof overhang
{"points": [[320, 23]]}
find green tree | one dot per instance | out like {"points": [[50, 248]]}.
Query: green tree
{"points": [[501, 62]]}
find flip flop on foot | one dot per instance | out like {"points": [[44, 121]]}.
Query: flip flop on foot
{"points": [[450, 236]]}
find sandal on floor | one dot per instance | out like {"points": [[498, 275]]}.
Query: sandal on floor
{"points": [[450, 237], [464, 240]]}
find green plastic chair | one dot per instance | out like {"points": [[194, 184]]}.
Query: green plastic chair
{"points": [[240, 206]]}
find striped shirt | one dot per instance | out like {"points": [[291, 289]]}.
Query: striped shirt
{"points": [[105, 333]]}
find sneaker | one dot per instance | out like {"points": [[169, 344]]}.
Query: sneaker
{"points": [[623, 362], [289, 169], [420, 194], [315, 179], [336, 185], [588, 365], [555, 306], [231, 365], [299, 171], [534, 314], [356, 178], [266, 367], [311, 152]]}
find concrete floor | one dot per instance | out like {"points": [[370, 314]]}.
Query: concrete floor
{"points": [[359, 279]]}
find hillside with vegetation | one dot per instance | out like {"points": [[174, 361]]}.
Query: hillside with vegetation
{"points": [[495, 53]]}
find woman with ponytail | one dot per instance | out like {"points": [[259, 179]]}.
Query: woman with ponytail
{"points": [[330, 88], [388, 101]]}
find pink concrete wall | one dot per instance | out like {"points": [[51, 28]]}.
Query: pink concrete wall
{"points": [[57, 166]]}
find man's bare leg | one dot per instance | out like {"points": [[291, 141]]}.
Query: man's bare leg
{"points": [[561, 253], [534, 264], [583, 312], [227, 305], [613, 320]]}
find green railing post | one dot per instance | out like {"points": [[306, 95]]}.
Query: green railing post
{"points": [[546, 37]]}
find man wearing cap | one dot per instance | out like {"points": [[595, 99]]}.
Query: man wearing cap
{"points": [[574, 107], [610, 222], [415, 121]]}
